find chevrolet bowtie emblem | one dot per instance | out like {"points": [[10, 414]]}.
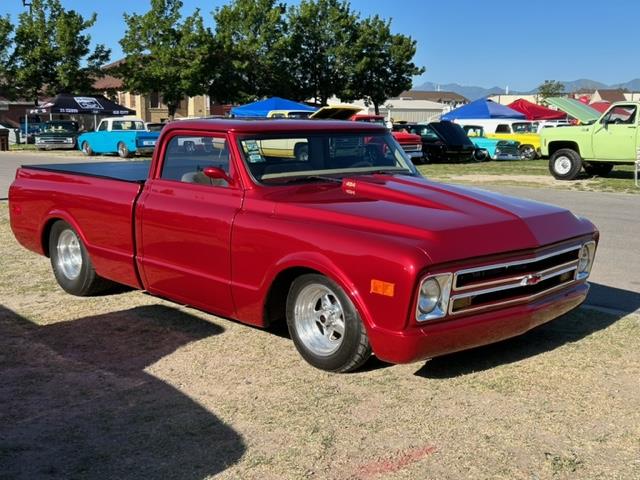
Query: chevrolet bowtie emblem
{"points": [[531, 279]]}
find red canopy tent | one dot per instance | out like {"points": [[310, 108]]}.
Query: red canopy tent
{"points": [[601, 106], [536, 112]]}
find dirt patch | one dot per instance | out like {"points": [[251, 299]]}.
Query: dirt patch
{"points": [[130, 386]]}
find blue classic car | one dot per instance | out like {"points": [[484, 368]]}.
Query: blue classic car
{"points": [[493, 148], [124, 136]]}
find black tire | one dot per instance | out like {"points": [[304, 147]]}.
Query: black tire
{"points": [[344, 353], [527, 152], [302, 153], [123, 151], [86, 282], [481, 155], [86, 149], [598, 169], [565, 164]]}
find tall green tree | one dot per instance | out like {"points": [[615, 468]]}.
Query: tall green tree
{"points": [[166, 54], [550, 88], [252, 34], [52, 53], [322, 34], [383, 63], [6, 41]]}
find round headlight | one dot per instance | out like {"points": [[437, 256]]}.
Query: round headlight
{"points": [[429, 296], [583, 259]]}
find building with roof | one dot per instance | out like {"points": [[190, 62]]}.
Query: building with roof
{"points": [[149, 107], [608, 95], [451, 99]]}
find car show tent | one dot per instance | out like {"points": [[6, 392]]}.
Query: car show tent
{"points": [[262, 107], [534, 111], [482, 108], [82, 105]]}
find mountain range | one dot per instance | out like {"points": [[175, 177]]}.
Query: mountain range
{"points": [[473, 92]]}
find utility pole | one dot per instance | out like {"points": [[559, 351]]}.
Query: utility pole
{"points": [[27, 3]]}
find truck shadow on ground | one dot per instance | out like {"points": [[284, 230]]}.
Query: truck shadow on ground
{"points": [[75, 401], [569, 328]]}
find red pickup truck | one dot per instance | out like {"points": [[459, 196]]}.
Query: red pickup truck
{"points": [[349, 245]]}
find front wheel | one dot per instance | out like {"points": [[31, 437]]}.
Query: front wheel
{"points": [[325, 326], [527, 152], [123, 151], [565, 164], [71, 264]]}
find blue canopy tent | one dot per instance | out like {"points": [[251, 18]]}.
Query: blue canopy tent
{"points": [[482, 108], [263, 107]]}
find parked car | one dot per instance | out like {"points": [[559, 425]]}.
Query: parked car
{"points": [[289, 114], [352, 247], [57, 134], [595, 146], [442, 141], [492, 148], [154, 126], [520, 131], [410, 142], [121, 135]]}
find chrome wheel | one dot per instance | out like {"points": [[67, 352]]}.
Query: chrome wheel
{"points": [[69, 254], [319, 319], [562, 165]]}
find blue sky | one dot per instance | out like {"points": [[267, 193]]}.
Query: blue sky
{"points": [[471, 42]]}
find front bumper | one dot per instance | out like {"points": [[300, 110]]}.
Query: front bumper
{"points": [[413, 155], [507, 156], [448, 336]]}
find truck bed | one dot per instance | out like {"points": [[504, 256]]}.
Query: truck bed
{"points": [[100, 197], [129, 171]]}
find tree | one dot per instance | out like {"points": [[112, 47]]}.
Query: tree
{"points": [[252, 35], [166, 55], [550, 88], [383, 66], [321, 41], [6, 40], [50, 49]]}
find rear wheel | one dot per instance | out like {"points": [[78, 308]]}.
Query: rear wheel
{"points": [[480, 155], [123, 151], [86, 149], [325, 326], [71, 264], [565, 164], [599, 169]]}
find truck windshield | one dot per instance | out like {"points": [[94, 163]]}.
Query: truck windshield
{"points": [[524, 127], [283, 158]]}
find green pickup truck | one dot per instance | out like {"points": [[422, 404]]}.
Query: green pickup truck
{"points": [[599, 143]]}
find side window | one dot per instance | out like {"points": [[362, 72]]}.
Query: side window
{"points": [[187, 156], [102, 127], [624, 114], [503, 128]]}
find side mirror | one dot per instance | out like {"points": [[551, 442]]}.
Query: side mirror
{"points": [[216, 173]]}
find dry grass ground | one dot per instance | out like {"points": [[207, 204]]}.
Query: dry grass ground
{"points": [[529, 173], [128, 386]]}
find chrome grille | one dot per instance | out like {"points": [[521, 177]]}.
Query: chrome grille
{"points": [[412, 148], [512, 282]]}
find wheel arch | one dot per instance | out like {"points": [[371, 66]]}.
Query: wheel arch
{"points": [[51, 219], [286, 271], [554, 146]]}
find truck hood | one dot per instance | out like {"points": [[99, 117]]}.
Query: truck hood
{"points": [[575, 109], [404, 138], [447, 222]]}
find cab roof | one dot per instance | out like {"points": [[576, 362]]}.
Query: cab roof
{"points": [[274, 126]]}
